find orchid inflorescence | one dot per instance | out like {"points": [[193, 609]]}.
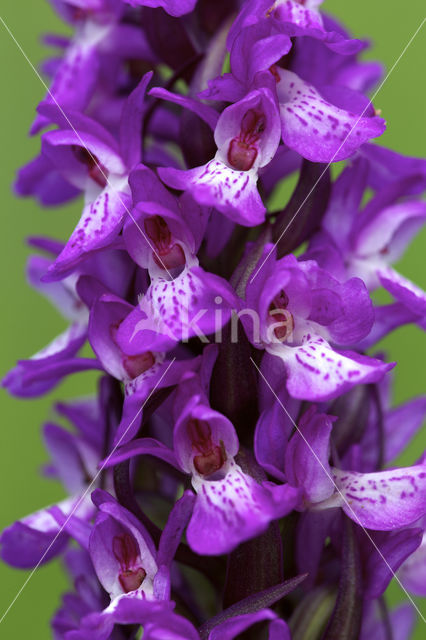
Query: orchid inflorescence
{"points": [[234, 473]]}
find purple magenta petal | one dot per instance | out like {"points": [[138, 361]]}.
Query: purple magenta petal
{"points": [[234, 626], [234, 509], [309, 380], [385, 500], [131, 123], [307, 454], [317, 129]]}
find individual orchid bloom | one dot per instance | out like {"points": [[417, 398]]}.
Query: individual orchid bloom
{"points": [[325, 126], [134, 574], [231, 506], [303, 460], [122, 552], [80, 612], [74, 459], [142, 371], [193, 303], [300, 310], [259, 46], [247, 136], [90, 159], [175, 8], [365, 243], [292, 18], [382, 500], [183, 300]]}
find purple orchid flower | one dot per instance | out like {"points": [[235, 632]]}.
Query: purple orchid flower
{"points": [[323, 124], [311, 124], [291, 18], [317, 129], [231, 506], [124, 559], [75, 620], [247, 136], [183, 300], [301, 309], [128, 567], [121, 551]]}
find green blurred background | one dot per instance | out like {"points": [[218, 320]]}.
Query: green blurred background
{"points": [[28, 322]]}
